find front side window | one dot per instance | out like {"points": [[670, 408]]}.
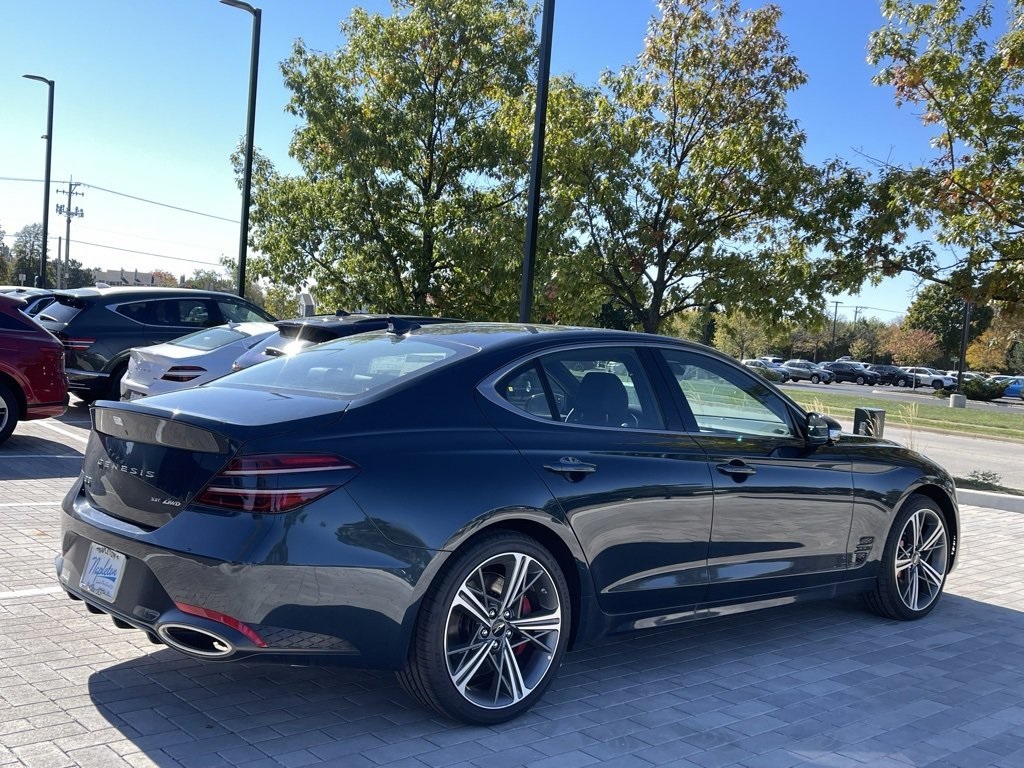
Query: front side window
{"points": [[726, 401]]}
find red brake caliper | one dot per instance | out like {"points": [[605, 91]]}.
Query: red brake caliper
{"points": [[525, 609]]}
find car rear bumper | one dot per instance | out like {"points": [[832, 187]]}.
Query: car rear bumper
{"points": [[218, 608], [46, 410]]}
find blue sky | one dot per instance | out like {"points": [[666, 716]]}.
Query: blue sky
{"points": [[150, 101]]}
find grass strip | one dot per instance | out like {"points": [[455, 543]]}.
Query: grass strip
{"points": [[1002, 423]]}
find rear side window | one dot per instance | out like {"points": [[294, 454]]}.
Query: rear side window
{"points": [[350, 367]]}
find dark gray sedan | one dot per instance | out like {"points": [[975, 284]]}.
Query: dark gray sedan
{"points": [[465, 503]]}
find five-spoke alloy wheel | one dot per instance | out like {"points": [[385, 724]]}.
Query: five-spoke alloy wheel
{"points": [[915, 562], [492, 633]]}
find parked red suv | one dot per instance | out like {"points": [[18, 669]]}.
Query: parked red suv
{"points": [[33, 384]]}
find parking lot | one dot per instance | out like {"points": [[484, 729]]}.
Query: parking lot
{"points": [[826, 684]]}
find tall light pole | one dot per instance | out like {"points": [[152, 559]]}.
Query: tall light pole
{"points": [[537, 163], [254, 67], [46, 180]]}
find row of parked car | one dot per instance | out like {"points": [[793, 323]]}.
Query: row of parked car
{"points": [[873, 374], [125, 343]]}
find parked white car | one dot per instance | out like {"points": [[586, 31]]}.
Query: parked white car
{"points": [[189, 360], [929, 377]]}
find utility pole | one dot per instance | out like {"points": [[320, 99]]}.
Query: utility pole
{"points": [[69, 213], [835, 318]]}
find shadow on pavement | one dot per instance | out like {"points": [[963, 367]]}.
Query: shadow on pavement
{"points": [[30, 457], [821, 682]]}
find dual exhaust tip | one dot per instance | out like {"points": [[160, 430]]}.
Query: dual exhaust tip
{"points": [[194, 641]]}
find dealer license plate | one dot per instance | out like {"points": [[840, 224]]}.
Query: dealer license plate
{"points": [[102, 574]]}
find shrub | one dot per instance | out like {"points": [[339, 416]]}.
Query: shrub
{"points": [[980, 389]]}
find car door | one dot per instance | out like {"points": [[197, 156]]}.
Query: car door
{"points": [[637, 495], [782, 510]]}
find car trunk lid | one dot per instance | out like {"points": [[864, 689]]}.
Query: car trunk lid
{"points": [[147, 460]]}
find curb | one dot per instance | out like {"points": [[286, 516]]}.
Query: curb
{"points": [[1002, 501]]}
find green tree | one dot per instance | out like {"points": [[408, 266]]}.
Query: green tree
{"points": [[26, 252], [691, 180], [966, 79], [281, 301], [77, 276], [937, 308], [409, 172], [740, 335]]}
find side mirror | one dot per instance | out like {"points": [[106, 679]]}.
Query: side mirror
{"points": [[821, 430]]}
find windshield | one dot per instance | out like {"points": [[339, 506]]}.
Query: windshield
{"points": [[350, 367]]}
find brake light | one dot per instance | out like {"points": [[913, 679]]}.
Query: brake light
{"points": [[183, 373], [271, 483], [78, 345], [223, 618]]}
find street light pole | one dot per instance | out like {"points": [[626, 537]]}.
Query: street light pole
{"points": [[254, 66], [537, 164], [46, 179]]}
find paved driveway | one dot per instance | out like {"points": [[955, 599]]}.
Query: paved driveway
{"points": [[827, 684]]}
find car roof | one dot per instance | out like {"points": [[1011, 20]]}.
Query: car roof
{"points": [[134, 291], [344, 319]]}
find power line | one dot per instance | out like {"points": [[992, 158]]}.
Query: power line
{"points": [[130, 197], [147, 253], [162, 205]]}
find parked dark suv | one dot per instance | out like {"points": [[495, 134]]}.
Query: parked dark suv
{"points": [[852, 372], [891, 374], [99, 327]]}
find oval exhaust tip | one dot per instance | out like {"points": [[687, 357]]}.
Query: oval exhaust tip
{"points": [[195, 641]]}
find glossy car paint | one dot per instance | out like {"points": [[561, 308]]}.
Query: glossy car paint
{"points": [[657, 535], [31, 363]]}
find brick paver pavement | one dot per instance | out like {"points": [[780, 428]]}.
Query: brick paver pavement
{"points": [[825, 684]]}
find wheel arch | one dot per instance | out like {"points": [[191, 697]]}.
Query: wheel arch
{"points": [[542, 528], [16, 389]]}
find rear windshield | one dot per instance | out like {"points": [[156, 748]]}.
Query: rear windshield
{"points": [[58, 312], [209, 338], [351, 366]]}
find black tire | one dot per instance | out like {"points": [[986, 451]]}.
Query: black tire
{"points": [[860, 380], [916, 556], [10, 412], [937, 384], [113, 391], [815, 378], [467, 610], [901, 382]]}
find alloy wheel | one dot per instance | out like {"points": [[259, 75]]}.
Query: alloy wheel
{"points": [[502, 630], [921, 559]]}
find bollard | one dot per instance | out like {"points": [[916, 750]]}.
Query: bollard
{"points": [[869, 421]]}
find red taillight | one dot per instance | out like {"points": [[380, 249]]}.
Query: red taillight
{"points": [[283, 464], [265, 483], [183, 373], [223, 618], [78, 345]]}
